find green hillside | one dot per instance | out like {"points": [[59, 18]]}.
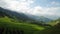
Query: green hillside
{"points": [[9, 26], [14, 26]]}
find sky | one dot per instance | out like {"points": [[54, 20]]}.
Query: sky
{"points": [[33, 7]]}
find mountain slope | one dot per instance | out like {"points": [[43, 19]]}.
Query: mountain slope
{"points": [[15, 15], [39, 18], [9, 27], [22, 16]]}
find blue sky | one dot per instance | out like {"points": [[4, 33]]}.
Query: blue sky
{"points": [[34, 7], [47, 3]]}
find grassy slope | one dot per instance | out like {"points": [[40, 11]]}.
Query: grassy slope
{"points": [[27, 28], [55, 29], [13, 25]]}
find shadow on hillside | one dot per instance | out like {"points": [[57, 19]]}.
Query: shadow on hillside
{"points": [[8, 31], [51, 30]]}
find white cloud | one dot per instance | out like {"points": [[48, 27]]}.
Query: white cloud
{"points": [[54, 10], [24, 6], [18, 5], [38, 10], [55, 3]]}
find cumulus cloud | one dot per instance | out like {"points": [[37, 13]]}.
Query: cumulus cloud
{"points": [[24, 6], [55, 3], [52, 11], [19, 5]]}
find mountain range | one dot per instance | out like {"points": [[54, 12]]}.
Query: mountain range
{"points": [[22, 16]]}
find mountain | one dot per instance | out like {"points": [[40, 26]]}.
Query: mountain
{"points": [[52, 17], [39, 18], [15, 15], [22, 16]]}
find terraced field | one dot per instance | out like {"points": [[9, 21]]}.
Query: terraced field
{"points": [[8, 27]]}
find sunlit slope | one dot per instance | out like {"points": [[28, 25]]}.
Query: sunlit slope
{"points": [[54, 22], [6, 23]]}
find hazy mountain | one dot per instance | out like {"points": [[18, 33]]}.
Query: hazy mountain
{"points": [[22, 16], [15, 15], [52, 17], [39, 18]]}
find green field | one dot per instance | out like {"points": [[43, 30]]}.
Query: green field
{"points": [[9, 26]]}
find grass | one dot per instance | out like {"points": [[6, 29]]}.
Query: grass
{"points": [[26, 28], [7, 26]]}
